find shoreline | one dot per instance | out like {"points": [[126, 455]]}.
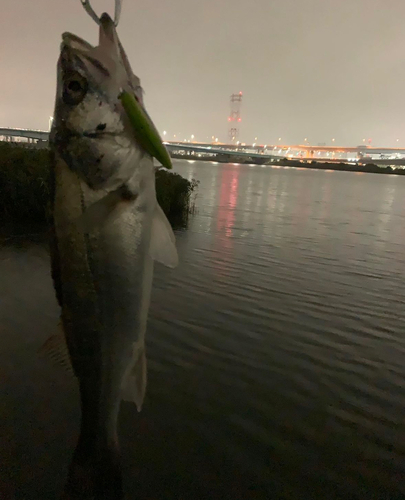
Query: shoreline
{"points": [[370, 168]]}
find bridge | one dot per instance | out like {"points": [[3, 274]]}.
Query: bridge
{"points": [[30, 135], [239, 152]]}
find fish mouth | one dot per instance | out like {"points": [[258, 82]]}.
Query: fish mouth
{"points": [[75, 42], [76, 51]]}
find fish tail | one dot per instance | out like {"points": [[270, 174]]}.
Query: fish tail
{"points": [[94, 475]]}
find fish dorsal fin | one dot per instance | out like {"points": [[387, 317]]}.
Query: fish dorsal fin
{"points": [[163, 242]]}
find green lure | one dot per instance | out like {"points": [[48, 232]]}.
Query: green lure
{"points": [[145, 131]]}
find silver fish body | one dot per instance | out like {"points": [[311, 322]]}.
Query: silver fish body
{"points": [[108, 230]]}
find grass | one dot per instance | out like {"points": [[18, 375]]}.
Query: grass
{"points": [[176, 195], [25, 188]]}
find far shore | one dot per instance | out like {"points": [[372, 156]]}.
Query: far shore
{"points": [[371, 168]]}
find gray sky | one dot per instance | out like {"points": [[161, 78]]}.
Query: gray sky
{"points": [[319, 69]]}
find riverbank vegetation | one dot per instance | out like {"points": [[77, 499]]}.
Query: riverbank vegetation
{"points": [[25, 187]]}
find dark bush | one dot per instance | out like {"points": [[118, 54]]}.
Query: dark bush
{"points": [[25, 189]]}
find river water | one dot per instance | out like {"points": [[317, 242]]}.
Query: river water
{"points": [[276, 349]]}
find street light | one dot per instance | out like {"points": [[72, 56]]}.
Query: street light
{"points": [[192, 137], [279, 139], [333, 140], [164, 132]]}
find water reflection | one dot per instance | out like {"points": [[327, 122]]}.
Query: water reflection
{"points": [[227, 202]]}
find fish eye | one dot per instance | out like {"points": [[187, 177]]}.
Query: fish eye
{"points": [[75, 89]]}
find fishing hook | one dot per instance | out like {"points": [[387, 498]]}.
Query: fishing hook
{"points": [[89, 9]]}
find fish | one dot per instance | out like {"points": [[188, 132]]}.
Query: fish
{"points": [[107, 231]]}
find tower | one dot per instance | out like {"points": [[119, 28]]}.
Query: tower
{"points": [[234, 118]]}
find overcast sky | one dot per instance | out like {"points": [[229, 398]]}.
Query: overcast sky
{"points": [[316, 69]]}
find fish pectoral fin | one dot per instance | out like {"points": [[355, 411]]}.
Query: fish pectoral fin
{"points": [[55, 349], [96, 214], [163, 242], [134, 385]]}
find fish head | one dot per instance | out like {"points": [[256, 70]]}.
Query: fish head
{"points": [[90, 129]]}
